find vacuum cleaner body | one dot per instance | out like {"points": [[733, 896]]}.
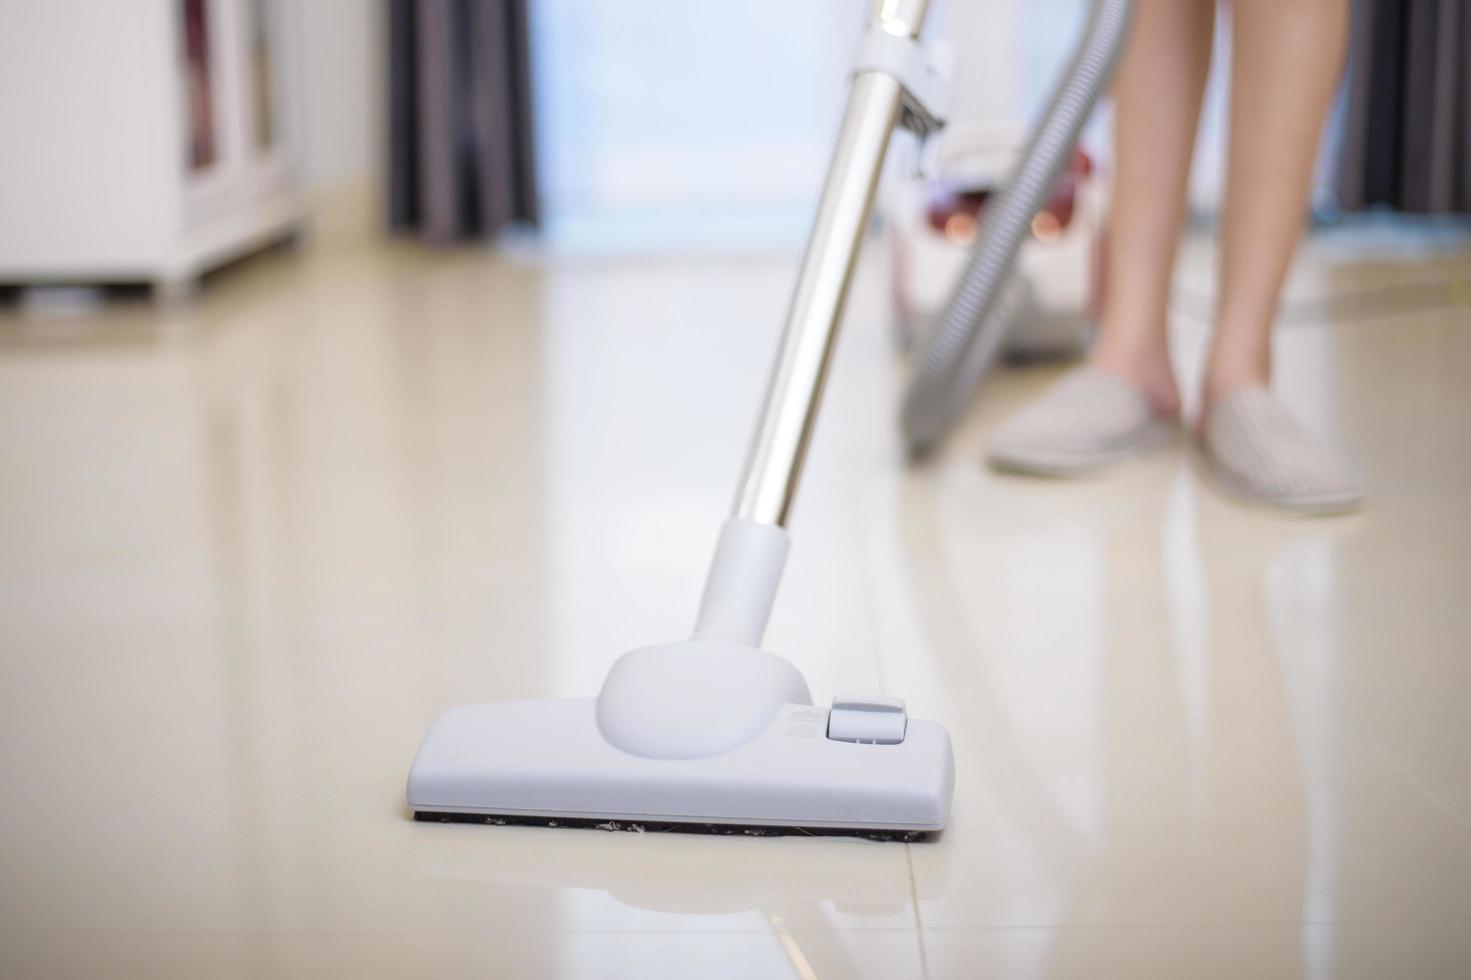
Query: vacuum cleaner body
{"points": [[1051, 296]]}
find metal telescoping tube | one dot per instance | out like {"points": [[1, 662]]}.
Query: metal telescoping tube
{"points": [[970, 329], [775, 462]]}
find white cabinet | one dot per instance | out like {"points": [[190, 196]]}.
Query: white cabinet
{"points": [[145, 140]]}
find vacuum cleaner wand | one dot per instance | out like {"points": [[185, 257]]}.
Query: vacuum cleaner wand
{"points": [[890, 56], [714, 733]]}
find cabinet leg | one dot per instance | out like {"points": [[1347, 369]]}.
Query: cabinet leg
{"points": [[175, 290], [292, 241]]}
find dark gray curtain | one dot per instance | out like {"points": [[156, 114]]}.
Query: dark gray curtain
{"points": [[460, 138], [1406, 136]]}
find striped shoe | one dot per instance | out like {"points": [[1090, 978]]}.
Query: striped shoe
{"points": [[1086, 421], [1257, 451]]}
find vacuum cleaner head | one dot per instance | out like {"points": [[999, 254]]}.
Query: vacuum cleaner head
{"points": [[710, 734], [548, 762]]}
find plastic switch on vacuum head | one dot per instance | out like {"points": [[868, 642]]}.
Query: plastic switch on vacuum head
{"points": [[875, 721]]}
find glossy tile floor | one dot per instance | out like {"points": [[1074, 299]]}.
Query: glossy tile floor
{"points": [[251, 546]]}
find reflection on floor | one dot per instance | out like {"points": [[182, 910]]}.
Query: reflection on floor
{"points": [[252, 545]]}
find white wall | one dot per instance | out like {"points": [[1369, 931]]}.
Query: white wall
{"points": [[669, 120], [676, 123], [344, 82], [681, 111]]}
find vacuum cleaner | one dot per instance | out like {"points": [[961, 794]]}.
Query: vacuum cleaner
{"points": [[971, 329], [713, 733]]}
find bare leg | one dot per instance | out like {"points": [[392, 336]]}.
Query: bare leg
{"points": [[1287, 57], [1286, 60], [1157, 106]]}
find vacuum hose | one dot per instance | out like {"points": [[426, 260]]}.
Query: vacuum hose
{"points": [[970, 330]]}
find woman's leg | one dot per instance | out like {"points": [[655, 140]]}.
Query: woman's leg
{"points": [[1127, 402], [1285, 66], [1286, 59], [1157, 94]]}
